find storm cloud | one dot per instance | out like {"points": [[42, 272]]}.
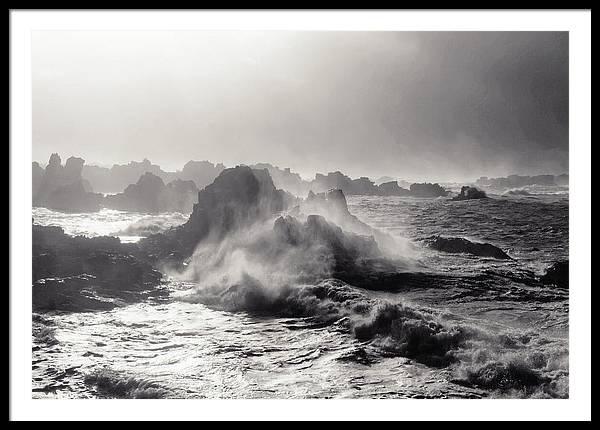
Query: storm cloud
{"points": [[414, 105]]}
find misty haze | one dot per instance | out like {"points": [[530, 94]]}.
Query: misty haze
{"points": [[222, 214]]}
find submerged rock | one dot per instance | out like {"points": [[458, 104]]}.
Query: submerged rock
{"points": [[457, 245], [80, 274], [470, 193], [557, 274]]}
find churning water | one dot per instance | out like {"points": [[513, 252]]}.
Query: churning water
{"points": [[484, 334]]}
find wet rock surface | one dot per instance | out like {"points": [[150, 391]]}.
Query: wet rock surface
{"points": [[470, 193], [80, 274], [238, 197], [461, 245]]}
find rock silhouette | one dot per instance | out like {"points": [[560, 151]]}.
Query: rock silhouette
{"points": [[517, 181], [427, 190], [238, 197], [119, 176], [85, 274], [150, 194], [557, 274], [470, 193], [460, 245], [62, 188]]}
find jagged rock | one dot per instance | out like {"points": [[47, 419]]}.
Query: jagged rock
{"points": [[79, 273], [392, 189], [343, 247], [143, 196], [119, 176], [201, 172], [470, 193], [37, 176], [427, 190], [238, 197], [333, 206], [285, 179], [517, 181], [62, 188], [457, 245], [557, 274], [180, 196]]}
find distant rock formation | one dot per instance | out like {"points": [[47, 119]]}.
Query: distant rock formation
{"points": [[470, 193], [201, 172], [392, 189], [337, 180], [285, 179], [62, 187], [119, 176], [150, 194], [361, 186], [427, 190], [557, 274], [87, 274], [458, 245], [517, 181], [384, 179]]}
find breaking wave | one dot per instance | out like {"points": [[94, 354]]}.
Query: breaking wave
{"points": [[153, 224], [114, 385]]}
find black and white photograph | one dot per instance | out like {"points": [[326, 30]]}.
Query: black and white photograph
{"points": [[244, 212]]}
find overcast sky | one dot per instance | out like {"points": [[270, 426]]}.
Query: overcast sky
{"points": [[436, 106]]}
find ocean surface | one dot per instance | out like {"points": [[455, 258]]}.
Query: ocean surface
{"points": [[508, 339]]}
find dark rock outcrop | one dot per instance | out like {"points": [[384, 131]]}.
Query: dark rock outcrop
{"points": [[470, 193], [392, 189], [80, 274], [150, 194], [239, 197], [459, 245], [427, 190], [62, 188], [333, 206], [557, 274]]}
